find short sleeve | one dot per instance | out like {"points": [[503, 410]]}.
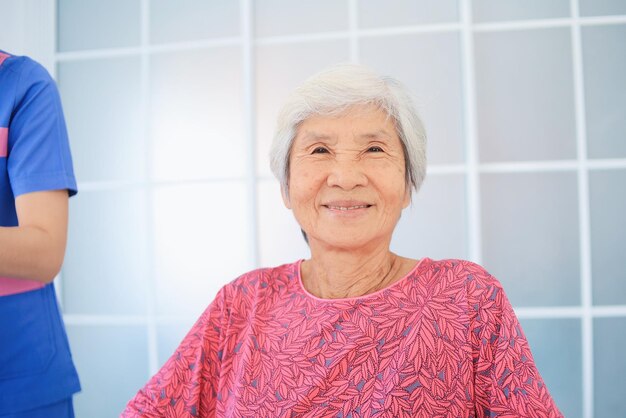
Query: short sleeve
{"points": [[186, 386], [507, 382], [38, 148]]}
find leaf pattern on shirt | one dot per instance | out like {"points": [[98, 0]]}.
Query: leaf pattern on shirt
{"points": [[441, 342]]}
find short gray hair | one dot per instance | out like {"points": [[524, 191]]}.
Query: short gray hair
{"points": [[332, 92]]}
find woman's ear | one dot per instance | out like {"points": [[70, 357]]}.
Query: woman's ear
{"points": [[407, 197], [285, 194]]}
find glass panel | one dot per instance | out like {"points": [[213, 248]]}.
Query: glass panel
{"points": [[280, 69], [530, 236], [12, 33], [280, 239], [105, 265], [285, 17], [609, 367], [113, 365], [493, 10], [434, 225], [524, 93], [201, 243], [186, 20], [604, 59], [556, 348], [104, 117], [94, 24], [437, 86], [375, 13], [602, 7], [169, 337], [197, 114], [608, 229]]}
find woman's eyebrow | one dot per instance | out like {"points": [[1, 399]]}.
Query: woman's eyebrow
{"points": [[380, 134], [312, 136]]}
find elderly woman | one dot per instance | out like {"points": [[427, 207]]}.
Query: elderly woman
{"points": [[356, 330]]}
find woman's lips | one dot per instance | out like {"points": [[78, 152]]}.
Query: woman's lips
{"points": [[346, 206]]}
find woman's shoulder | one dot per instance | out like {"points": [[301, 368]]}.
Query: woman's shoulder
{"points": [[263, 279], [462, 281], [459, 271]]}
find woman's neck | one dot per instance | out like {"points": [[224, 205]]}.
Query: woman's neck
{"points": [[337, 274]]}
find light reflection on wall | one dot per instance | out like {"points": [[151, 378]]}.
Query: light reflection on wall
{"points": [[196, 121], [200, 243]]}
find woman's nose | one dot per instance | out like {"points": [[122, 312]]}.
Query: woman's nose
{"points": [[346, 174]]}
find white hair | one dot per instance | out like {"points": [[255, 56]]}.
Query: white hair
{"points": [[334, 91]]}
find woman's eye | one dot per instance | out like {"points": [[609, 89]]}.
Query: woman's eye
{"points": [[320, 150], [375, 149]]}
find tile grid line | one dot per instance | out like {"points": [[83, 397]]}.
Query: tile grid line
{"points": [[58, 281], [584, 216], [471, 133], [320, 36], [434, 169], [151, 324], [248, 91], [353, 25]]}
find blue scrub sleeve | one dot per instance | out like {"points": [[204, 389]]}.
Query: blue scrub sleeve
{"points": [[39, 152]]}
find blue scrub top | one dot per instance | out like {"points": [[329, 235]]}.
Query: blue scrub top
{"points": [[36, 366]]}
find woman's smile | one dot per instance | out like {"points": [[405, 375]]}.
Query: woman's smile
{"points": [[347, 206]]}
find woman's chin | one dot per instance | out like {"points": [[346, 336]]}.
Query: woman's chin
{"points": [[344, 241]]}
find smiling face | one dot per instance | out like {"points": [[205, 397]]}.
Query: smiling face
{"points": [[347, 183]]}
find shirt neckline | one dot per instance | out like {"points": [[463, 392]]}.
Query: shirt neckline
{"points": [[423, 261]]}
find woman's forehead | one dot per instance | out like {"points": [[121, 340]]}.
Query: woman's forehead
{"points": [[362, 123], [312, 135], [355, 110]]}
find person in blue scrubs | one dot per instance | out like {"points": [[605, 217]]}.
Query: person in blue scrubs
{"points": [[37, 375]]}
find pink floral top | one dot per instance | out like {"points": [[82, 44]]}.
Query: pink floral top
{"points": [[441, 342]]}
